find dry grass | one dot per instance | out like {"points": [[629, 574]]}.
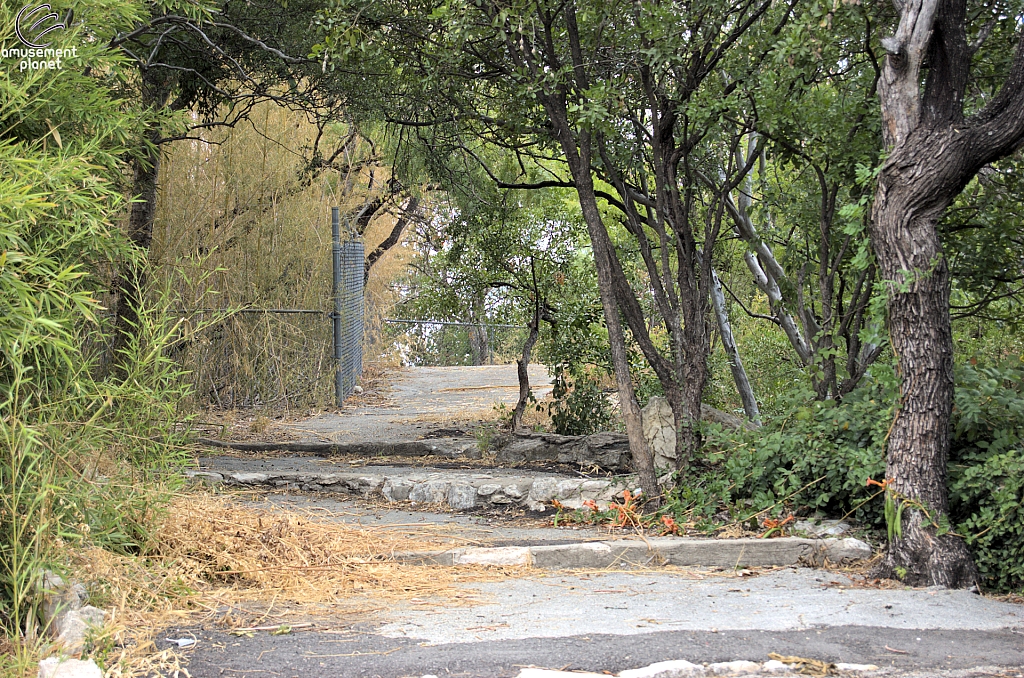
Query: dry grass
{"points": [[218, 559], [238, 223]]}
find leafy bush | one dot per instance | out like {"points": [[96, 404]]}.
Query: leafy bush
{"points": [[579, 406], [819, 455], [986, 470]]}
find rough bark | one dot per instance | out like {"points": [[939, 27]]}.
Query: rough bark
{"points": [[577, 148], [642, 458], [934, 153], [910, 254]]}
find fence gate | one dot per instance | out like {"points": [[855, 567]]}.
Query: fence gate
{"points": [[348, 310]]}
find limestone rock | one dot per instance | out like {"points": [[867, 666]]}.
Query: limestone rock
{"points": [[430, 492], [544, 490], [59, 599], [60, 667], [609, 451], [75, 624], [396, 489], [487, 489], [506, 555], [733, 668], [550, 673], [822, 527], [775, 666], [839, 550], [249, 478], [514, 491], [659, 427], [461, 496], [606, 450]]}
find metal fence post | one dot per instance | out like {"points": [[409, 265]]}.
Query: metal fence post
{"points": [[339, 377]]}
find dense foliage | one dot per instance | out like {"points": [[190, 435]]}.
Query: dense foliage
{"points": [[818, 456], [74, 442]]}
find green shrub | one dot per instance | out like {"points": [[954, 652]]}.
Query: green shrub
{"points": [[819, 455], [986, 470], [579, 406]]}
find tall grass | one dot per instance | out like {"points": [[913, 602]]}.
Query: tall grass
{"points": [[84, 458], [239, 210]]}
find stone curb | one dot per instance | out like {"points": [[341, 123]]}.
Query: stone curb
{"points": [[459, 491], [684, 669], [726, 553]]}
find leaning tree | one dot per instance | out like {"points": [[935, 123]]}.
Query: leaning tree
{"points": [[952, 101]]}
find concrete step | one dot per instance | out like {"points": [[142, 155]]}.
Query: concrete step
{"points": [[474, 489], [656, 551]]}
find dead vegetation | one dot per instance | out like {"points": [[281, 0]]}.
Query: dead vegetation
{"points": [[216, 559], [242, 223]]}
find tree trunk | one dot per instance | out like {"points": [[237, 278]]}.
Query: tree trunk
{"points": [[578, 159], [739, 374], [922, 341], [934, 153], [522, 366]]}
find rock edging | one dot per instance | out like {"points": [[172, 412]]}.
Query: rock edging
{"points": [[656, 551]]}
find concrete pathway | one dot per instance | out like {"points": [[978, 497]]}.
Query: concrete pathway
{"points": [[425, 399], [605, 621], [614, 622]]}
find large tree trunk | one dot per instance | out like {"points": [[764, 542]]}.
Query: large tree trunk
{"points": [[922, 341], [578, 154], [934, 153]]}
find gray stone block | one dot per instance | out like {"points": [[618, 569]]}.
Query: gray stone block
{"points": [[736, 668], [461, 496], [573, 556], [673, 669], [736, 552], [487, 489], [63, 667], [430, 492], [396, 489], [838, 550], [517, 490], [250, 478]]}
